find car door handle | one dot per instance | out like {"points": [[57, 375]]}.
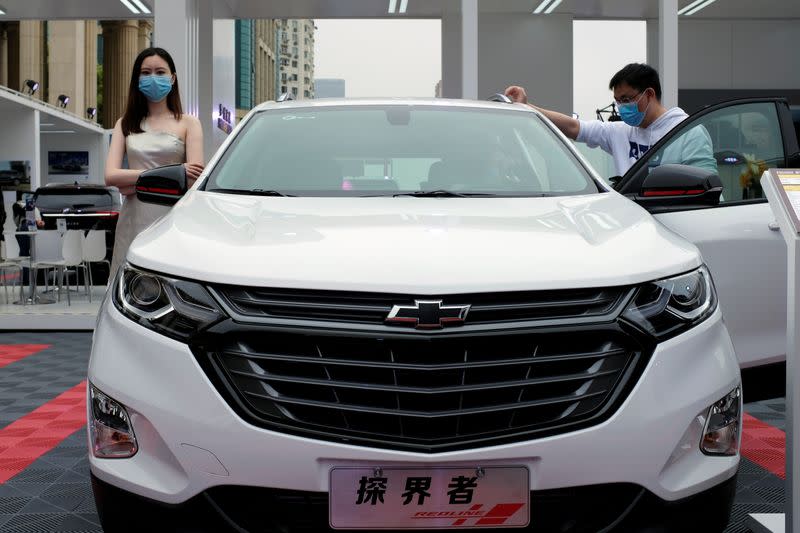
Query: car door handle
{"points": [[774, 226]]}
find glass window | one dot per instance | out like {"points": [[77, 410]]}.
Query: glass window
{"points": [[738, 142], [346, 150], [57, 199]]}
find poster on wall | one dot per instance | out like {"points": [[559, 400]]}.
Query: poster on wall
{"points": [[67, 167], [15, 175]]}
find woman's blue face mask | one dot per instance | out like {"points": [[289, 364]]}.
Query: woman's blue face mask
{"points": [[155, 88]]}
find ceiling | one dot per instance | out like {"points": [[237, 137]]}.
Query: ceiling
{"points": [[593, 9]]}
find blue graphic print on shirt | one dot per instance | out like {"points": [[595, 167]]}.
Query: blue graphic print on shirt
{"points": [[637, 150]]}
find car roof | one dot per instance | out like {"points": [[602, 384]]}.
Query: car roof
{"points": [[358, 102]]}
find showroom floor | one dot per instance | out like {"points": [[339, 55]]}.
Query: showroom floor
{"points": [[80, 314], [44, 472]]}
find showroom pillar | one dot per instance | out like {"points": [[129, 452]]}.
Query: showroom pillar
{"points": [[540, 58], [65, 63], [186, 29], [90, 66], [3, 56], [26, 54], [145, 33], [120, 48], [469, 49], [451, 55], [668, 51]]}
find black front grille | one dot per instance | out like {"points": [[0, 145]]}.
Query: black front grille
{"points": [[373, 308], [427, 393]]}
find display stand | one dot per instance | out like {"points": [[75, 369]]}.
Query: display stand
{"points": [[782, 187]]}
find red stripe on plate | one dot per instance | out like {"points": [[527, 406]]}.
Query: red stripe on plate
{"points": [[28, 438], [14, 352], [765, 445]]}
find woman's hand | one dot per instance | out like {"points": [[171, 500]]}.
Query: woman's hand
{"points": [[127, 190], [193, 171]]}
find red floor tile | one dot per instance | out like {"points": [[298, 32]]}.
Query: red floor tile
{"points": [[765, 445], [14, 352], [28, 438]]}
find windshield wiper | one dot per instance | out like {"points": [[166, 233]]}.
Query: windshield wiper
{"points": [[438, 193], [251, 192]]}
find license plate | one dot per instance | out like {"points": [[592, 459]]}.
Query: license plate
{"points": [[429, 498]]}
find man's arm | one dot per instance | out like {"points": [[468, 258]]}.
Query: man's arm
{"points": [[568, 125], [698, 150]]}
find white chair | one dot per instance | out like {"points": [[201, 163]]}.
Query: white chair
{"points": [[72, 253], [12, 256], [94, 251], [48, 246], [10, 265]]}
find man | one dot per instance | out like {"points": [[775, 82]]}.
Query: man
{"points": [[637, 94]]}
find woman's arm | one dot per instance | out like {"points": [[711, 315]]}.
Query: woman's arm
{"points": [[116, 176], [194, 149]]}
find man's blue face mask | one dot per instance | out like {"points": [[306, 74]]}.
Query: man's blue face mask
{"points": [[629, 112], [155, 88]]}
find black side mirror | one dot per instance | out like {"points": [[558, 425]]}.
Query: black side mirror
{"points": [[679, 185], [162, 185]]}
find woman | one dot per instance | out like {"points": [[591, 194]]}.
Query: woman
{"points": [[153, 132]]}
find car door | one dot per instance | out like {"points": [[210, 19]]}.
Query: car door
{"points": [[739, 239]]}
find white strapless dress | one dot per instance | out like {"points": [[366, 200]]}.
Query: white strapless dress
{"points": [[146, 150]]}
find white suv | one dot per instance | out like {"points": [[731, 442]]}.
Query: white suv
{"points": [[398, 314]]}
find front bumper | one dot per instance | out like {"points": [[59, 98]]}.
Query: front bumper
{"points": [[614, 507], [190, 440]]}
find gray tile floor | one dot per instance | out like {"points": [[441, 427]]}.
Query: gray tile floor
{"points": [[54, 495]]}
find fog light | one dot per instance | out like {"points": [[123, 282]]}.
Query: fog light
{"points": [[110, 428], [721, 435]]}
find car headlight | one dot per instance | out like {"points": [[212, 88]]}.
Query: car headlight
{"points": [[173, 307], [668, 307]]}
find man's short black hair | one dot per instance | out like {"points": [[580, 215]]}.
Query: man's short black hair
{"points": [[639, 76]]}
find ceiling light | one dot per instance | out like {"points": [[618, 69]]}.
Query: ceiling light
{"points": [[392, 6], [142, 6], [32, 86], [552, 7], [46, 124], [695, 6], [403, 6], [91, 112], [2, 10], [130, 6], [541, 7], [63, 100], [58, 131]]}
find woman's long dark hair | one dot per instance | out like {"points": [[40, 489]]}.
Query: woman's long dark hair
{"points": [[136, 109]]}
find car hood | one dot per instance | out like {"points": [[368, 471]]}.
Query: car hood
{"points": [[412, 245]]}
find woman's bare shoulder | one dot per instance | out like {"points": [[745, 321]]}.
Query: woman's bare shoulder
{"points": [[189, 121]]}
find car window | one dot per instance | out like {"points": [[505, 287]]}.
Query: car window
{"points": [[382, 150], [737, 142], [58, 200], [600, 160]]}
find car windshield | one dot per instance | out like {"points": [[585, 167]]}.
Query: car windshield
{"points": [[377, 150], [59, 200]]}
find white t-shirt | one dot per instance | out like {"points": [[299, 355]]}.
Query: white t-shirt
{"points": [[627, 144]]}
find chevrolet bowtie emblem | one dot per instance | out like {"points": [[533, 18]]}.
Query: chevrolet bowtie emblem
{"points": [[428, 314]]}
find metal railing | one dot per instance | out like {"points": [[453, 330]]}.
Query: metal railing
{"points": [[48, 106]]}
